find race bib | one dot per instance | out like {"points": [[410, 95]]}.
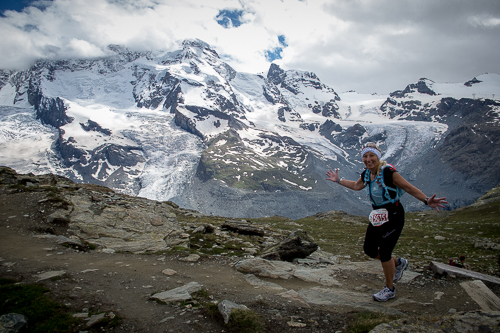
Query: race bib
{"points": [[379, 217]]}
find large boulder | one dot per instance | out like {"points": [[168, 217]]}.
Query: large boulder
{"points": [[298, 245], [13, 323]]}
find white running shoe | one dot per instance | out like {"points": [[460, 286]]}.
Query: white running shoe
{"points": [[385, 294], [400, 269]]}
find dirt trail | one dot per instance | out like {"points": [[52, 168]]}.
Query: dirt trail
{"points": [[123, 284]]}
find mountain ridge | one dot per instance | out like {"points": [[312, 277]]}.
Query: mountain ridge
{"points": [[185, 126]]}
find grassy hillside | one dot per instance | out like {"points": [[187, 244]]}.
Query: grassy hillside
{"points": [[473, 231], [428, 235]]}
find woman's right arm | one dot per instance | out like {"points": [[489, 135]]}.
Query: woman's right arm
{"points": [[351, 184]]}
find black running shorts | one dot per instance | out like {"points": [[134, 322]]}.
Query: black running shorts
{"points": [[381, 240]]}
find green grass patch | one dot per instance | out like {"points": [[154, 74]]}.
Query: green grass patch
{"points": [[31, 300], [245, 321], [365, 321], [427, 236]]}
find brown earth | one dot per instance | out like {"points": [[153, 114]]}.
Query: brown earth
{"points": [[123, 283]]}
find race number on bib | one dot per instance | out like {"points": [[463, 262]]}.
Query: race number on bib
{"points": [[379, 217]]}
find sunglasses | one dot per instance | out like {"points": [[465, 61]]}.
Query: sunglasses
{"points": [[370, 145]]}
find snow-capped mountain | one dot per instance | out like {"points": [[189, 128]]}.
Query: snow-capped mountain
{"points": [[184, 126]]}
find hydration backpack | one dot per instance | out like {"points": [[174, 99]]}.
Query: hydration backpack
{"points": [[385, 197]]}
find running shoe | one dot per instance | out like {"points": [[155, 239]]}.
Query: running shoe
{"points": [[385, 294], [400, 269]]}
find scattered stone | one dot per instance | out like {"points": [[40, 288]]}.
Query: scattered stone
{"points": [[459, 322], [487, 245], [204, 229], [191, 258], [81, 315], [439, 238], [49, 275], [438, 294], [250, 250], [362, 287], [178, 294], [227, 307], [296, 324], [243, 228], [12, 323], [169, 272], [95, 319]]}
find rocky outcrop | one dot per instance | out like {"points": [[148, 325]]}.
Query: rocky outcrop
{"points": [[91, 125], [124, 223], [51, 111], [243, 228], [96, 217], [461, 322], [422, 86], [298, 245]]}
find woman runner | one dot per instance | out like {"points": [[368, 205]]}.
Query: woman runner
{"points": [[384, 186]]}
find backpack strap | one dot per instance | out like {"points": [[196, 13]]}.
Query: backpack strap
{"points": [[380, 179]]}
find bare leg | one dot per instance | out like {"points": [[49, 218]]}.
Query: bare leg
{"points": [[389, 268]]}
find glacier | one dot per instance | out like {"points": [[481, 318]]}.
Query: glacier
{"points": [[186, 127]]}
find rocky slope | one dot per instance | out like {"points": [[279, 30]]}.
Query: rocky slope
{"points": [[77, 239]]}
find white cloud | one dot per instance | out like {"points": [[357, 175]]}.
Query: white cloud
{"points": [[366, 45]]}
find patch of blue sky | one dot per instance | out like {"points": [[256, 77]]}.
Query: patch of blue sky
{"points": [[282, 40], [19, 5], [229, 18], [275, 53]]}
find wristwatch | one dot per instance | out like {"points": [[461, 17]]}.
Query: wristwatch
{"points": [[425, 201]]}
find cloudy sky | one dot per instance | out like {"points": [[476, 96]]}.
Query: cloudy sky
{"points": [[363, 45]]}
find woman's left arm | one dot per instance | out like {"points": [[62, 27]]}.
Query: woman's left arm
{"points": [[433, 202]]}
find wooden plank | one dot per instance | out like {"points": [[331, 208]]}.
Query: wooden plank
{"points": [[440, 268], [483, 296]]}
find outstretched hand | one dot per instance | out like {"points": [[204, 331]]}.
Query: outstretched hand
{"points": [[333, 175], [435, 203]]}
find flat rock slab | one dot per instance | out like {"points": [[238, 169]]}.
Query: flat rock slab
{"points": [[190, 258], [285, 270], [441, 268], [374, 267], [339, 297], [49, 275], [258, 283], [483, 296], [178, 294]]}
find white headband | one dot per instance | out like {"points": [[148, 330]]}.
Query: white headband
{"points": [[373, 150]]}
